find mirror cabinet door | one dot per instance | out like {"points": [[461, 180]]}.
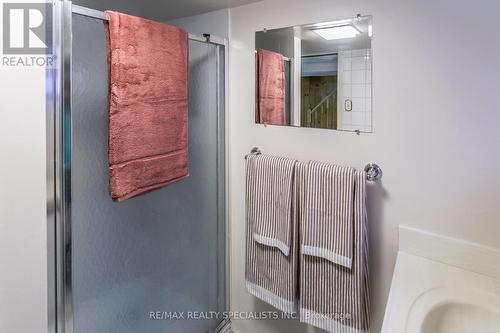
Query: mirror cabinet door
{"points": [[316, 75]]}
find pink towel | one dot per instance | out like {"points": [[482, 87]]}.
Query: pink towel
{"points": [[148, 115], [269, 88]]}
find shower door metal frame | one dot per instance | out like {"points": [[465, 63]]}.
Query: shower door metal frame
{"points": [[58, 87], [59, 138]]}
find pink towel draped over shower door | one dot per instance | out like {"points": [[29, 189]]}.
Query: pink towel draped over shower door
{"points": [[269, 88], [148, 114]]}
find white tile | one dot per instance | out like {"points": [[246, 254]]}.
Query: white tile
{"points": [[358, 76], [368, 119], [347, 128], [368, 74], [368, 61], [368, 105], [347, 90], [358, 63], [346, 118], [368, 91], [358, 118], [346, 77], [359, 53], [346, 63], [358, 90], [345, 53], [358, 104], [357, 128]]}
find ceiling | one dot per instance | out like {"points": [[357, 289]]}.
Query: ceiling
{"points": [[162, 10]]}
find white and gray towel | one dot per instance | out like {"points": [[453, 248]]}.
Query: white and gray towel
{"points": [[334, 292], [269, 187], [326, 221], [271, 235], [329, 204]]}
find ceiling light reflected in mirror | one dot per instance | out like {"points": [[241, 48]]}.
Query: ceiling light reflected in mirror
{"points": [[338, 32]]}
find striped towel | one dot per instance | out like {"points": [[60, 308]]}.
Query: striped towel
{"points": [[269, 199], [270, 273], [334, 292], [328, 221]]}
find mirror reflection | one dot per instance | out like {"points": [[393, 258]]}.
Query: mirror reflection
{"points": [[317, 75]]}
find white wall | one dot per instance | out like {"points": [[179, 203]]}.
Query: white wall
{"points": [[436, 127], [23, 233], [215, 23]]}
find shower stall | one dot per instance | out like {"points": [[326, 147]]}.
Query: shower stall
{"points": [[151, 263]]}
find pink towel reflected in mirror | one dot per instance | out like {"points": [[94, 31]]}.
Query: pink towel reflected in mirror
{"points": [[269, 88], [148, 115]]}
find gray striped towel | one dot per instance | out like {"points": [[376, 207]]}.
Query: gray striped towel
{"points": [[328, 218], [270, 273], [269, 187], [333, 296]]}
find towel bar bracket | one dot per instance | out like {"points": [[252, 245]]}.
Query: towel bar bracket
{"points": [[373, 171], [254, 151]]}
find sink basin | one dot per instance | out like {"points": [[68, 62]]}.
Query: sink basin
{"points": [[431, 293], [456, 308], [461, 318], [431, 297]]}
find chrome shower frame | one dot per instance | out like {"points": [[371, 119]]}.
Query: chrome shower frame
{"points": [[59, 139], [58, 174]]}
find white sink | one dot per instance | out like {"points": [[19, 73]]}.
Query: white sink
{"points": [[461, 318], [428, 296]]}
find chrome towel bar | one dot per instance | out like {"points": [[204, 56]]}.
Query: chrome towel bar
{"points": [[373, 171]]}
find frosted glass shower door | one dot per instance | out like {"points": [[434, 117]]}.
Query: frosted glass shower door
{"points": [[159, 252]]}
